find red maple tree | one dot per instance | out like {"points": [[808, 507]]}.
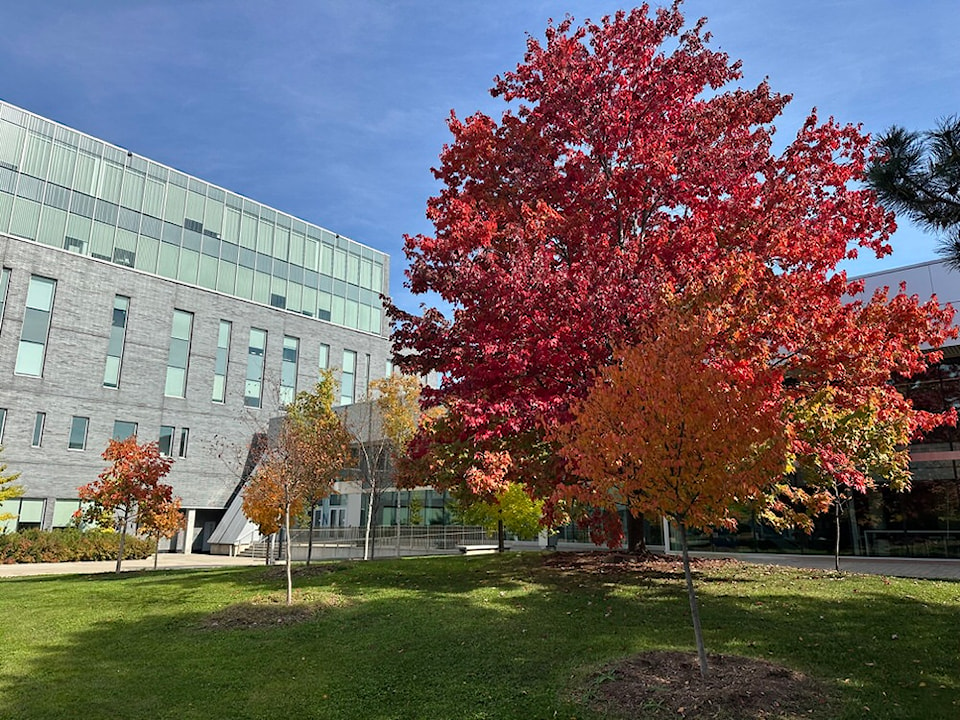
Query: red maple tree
{"points": [[129, 488], [626, 164]]}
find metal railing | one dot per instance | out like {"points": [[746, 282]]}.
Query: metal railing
{"points": [[342, 543]]}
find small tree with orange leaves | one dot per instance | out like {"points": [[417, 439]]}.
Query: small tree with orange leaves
{"points": [[129, 488], [316, 443], [671, 427], [162, 518], [270, 499]]}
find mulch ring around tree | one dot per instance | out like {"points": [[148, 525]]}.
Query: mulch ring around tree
{"points": [[607, 562], [667, 684]]}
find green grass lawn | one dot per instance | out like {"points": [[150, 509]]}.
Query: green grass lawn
{"points": [[451, 637]]}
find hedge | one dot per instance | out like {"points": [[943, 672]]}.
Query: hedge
{"points": [[69, 544]]}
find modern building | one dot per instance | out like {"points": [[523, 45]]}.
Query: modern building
{"points": [[924, 522], [136, 299]]}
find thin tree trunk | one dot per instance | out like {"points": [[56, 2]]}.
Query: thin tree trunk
{"points": [[286, 527], [123, 537], [156, 552], [313, 520], [398, 522], [836, 546], [269, 554], [692, 595], [366, 540], [500, 545]]}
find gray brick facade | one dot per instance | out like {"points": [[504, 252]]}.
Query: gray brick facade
{"points": [[72, 381]]}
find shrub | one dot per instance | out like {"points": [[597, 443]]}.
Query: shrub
{"points": [[69, 544]]}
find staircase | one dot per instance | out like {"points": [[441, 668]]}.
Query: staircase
{"points": [[255, 550]]}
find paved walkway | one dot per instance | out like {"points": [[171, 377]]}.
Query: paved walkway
{"points": [[894, 567], [167, 561], [929, 568]]}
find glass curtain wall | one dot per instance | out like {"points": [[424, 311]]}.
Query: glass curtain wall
{"points": [[62, 188]]}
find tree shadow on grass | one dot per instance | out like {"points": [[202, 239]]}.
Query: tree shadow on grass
{"points": [[494, 637]]}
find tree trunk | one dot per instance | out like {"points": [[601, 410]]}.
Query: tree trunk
{"points": [[288, 555], [123, 537], [313, 520], [398, 522], [836, 545], [156, 552], [269, 553], [367, 549], [692, 595], [500, 545], [636, 542]]}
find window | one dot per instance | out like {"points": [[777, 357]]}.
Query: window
{"points": [[3, 421], [288, 369], [36, 325], [184, 439], [366, 376], [177, 359], [348, 377], [63, 511], [255, 352], [4, 283], [324, 357], [123, 429], [220, 364], [166, 439], [38, 424], [389, 368], [118, 331], [26, 514], [78, 433]]}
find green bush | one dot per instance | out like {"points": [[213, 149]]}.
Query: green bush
{"points": [[69, 544]]}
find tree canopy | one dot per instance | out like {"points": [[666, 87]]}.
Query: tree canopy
{"points": [[129, 488], [627, 166]]}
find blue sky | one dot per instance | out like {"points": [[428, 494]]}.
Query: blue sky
{"points": [[334, 111]]}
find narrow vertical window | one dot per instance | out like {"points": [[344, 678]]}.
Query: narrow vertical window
{"points": [[255, 352], [78, 433], [4, 283], [324, 357], [366, 376], [3, 421], [388, 370], [38, 424], [36, 325], [288, 369], [348, 377], [220, 364], [118, 331], [177, 360], [165, 445], [184, 439], [123, 429]]}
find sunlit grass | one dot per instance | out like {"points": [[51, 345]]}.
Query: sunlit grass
{"points": [[452, 637]]}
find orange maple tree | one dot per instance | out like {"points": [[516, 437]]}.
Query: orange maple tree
{"points": [[675, 427], [129, 488], [161, 518]]}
